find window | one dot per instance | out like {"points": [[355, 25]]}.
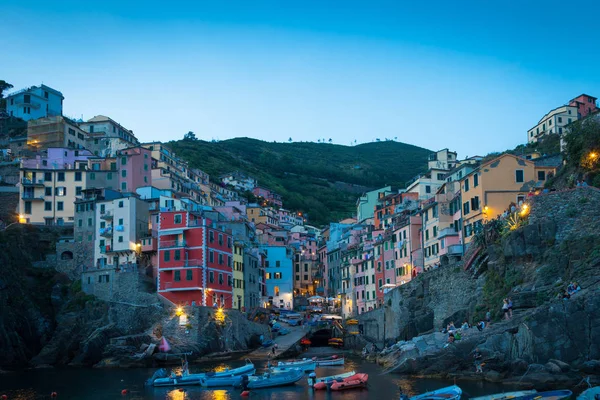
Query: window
{"points": [[124, 173], [229, 280], [305, 277], [475, 203], [120, 239], [121, 204], [47, 176], [229, 243], [167, 256], [541, 175], [277, 275], [220, 259], [519, 176], [123, 185], [435, 231], [220, 239], [220, 278], [61, 177], [47, 206], [559, 119], [467, 185], [60, 191], [267, 264], [178, 218], [211, 276], [80, 223], [380, 283], [466, 209], [297, 277], [569, 119], [297, 267], [92, 176], [48, 191], [211, 237], [475, 180], [177, 276], [440, 177], [211, 256], [278, 263], [189, 275], [177, 255], [268, 275], [426, 234], [123, 160], [89, 222], [59, 206], [427, 189], [102, 224]]}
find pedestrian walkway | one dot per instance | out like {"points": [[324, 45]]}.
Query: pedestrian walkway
{"points": [[284, 343]]}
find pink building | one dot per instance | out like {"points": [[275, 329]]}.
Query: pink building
{"points": [[135, 168], [585, 105], [409, 256], [56, 158]]}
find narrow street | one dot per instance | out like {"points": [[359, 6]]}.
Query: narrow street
{"points": [[283, 344]]}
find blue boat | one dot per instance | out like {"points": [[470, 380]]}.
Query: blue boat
{"points": [[273, 380], [551, 395], [447, 393], [160, 379], [590, 394]]}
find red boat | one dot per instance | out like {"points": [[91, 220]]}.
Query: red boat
{"points": [[351, 382]]}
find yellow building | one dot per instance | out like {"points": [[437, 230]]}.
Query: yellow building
{"points": [[258, 214], [490, 190], [238, 275]]}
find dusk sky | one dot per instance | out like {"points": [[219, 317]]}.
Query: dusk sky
{"points": [[472, 76]]}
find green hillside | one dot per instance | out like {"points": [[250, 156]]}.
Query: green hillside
{"points": [[321, 179]]}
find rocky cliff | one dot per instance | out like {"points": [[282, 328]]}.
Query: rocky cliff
{"points": [[549, 341], [47, 320]]}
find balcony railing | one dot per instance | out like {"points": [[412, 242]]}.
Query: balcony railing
{"points": [[447, 232], [106, 232], [107, 215], [32, 182], [455, 249], [31, 196], [169, 244]]}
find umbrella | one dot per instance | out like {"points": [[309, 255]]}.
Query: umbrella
{"points": [[316, 298]]}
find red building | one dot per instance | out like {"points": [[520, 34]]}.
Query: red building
{"points": [[585, 104], [195, 260]]}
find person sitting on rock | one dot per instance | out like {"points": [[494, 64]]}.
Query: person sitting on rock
{"points": [[574, 288], [480, 326], [465, 325], [566, 295], [451, 338], [451, 327]]}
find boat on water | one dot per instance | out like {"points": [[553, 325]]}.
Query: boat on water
{"points": [[212, 380], [330, 361], [505, 396], [313, 380], [268, 380], [291, 363], [303, 366], [446, 393], [590, 394], [161, 379], [355, 381], [550, 395]]}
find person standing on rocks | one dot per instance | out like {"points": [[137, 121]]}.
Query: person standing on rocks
{"points": [[505, 308], [488, 318], [477, 356]]}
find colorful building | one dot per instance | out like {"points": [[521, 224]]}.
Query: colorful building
{"points": [[35, 102], [365, 204], [238, 275], [134, 165], [105, 137], [195, 260], [279, 276]]}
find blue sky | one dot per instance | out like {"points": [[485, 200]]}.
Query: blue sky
{"points": [[469, 75]]}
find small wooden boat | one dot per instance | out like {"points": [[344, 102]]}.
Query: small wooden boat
{"points": [[194, 379], [551, 395], [352, 322], [273, 380], [335, 342], [505, 396], [590, 394], [446, 393], [355, 381], [313, 381], [330, 361], [305, 366]]}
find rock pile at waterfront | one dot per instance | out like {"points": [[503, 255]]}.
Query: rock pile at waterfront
{"points": [[548, 342]]}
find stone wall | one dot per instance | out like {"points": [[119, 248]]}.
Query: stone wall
{"points": [[110, 285]]}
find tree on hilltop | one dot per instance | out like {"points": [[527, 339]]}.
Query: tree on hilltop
{"points": [[190, 136]]}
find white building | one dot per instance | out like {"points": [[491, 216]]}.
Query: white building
{"points": [[553, 122], [121, 223], [106, 136], [439, 163], [239, 181], [35, 102]]}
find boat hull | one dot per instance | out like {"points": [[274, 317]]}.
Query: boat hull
{"points": [[194, 379], [447, 393], [224, 381], [330, 363], [329, 379], [275, 380], [356, 381], [551, 395], [589, 394], [505, 396], [304, 367]]}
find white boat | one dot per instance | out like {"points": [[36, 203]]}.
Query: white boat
{"points": [[304, 367], [330, 362], [223, 381], [313, 380], [590, 394], [504, 396], [447, 393], [292, 363], [194, 379], [273, 380]]}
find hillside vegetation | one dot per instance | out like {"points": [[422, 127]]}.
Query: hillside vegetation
{"points": [[321, 179]]}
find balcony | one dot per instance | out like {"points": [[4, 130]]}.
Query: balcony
{"points": [[169, 244], [108, 216], [32, 182], [455, 249], [447, 232], [106, 249], [31, 196], [106, 232]]}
